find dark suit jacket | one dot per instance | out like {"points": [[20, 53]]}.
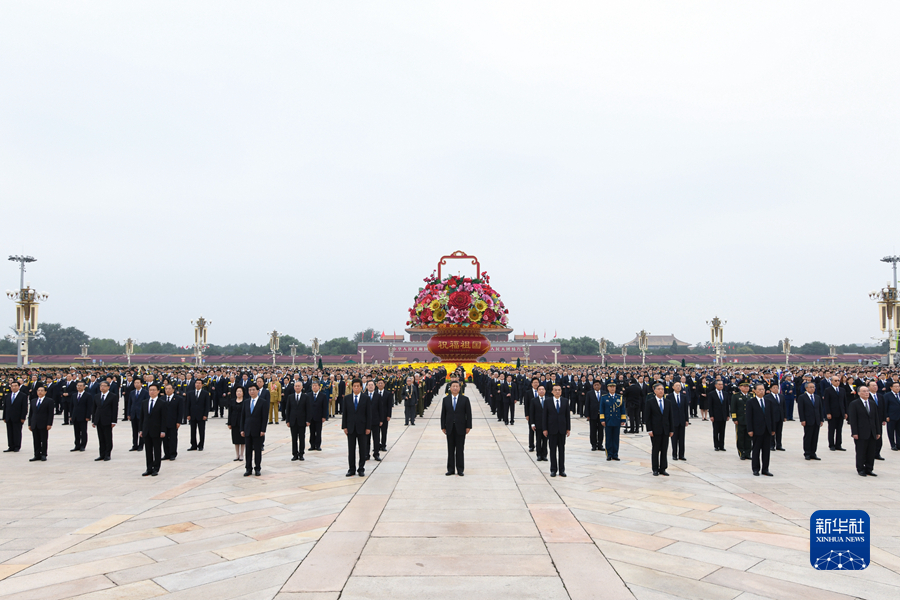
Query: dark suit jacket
{"points": [[255, 422], [660, 423], [133, 406], [357, 419], [556, 422], [386, 405], [634, 395], [456, 422], [106, 413], [295, 409], [537, 411], [720, 411], [528, 396], [777, 407], [834, 402], [865, 424], [891, 406], [174, 410], [759, 421], [593, 404], [84, 408], [680, 414], [40, 416], [17, 412], [315, 407], [198, 406], [153, 423], [809, 413], [411, 395]]}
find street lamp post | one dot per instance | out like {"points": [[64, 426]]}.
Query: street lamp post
{"points": [[526, 352], [293, 354], [315, 350], [888, 313], [555, 355], [892, 334], [603, 348], [274, 341], [624, 354], [832, 352], [27, 301], [643, 342], [717, 331], [129, 350], [201, 326], [391, 354], [786, 350], [84, 353], [362, 359]]}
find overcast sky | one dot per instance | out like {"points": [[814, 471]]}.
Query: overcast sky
{"points": [[302, 166]]}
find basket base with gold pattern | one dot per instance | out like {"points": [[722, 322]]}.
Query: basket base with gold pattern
{"points": [[456, 343]]}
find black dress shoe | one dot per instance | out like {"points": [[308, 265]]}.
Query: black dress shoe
{"points": [[780, 449], [301, 458], [72, 450], [663, 473], [361, 472], [155, 473], [461, 474], [98, 458], [841, 449], [767, 474], [378, 458], [615, 458], [9, 450], [257, 473], [656, 473], [247, 473], [879, 458], [43, 459], [552, 473], [871, 474], [531, 449], [608, 458], [192, 448], [562, 474], [134, 449], [295, 458], [448, 473], [814, 457], [601, 449], [146, 473], [861, 473], [35, 459], [107, 459], [350, 473], [756, 473]]}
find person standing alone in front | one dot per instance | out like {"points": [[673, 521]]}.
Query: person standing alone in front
{"points": [[356, 421], [557, 421], [456, 423], [253, 428], [660, 423]]}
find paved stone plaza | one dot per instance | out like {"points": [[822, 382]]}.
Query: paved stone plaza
{"points": [[76, 528]]}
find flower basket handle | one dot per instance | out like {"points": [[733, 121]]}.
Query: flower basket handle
{"points": [[461, 255]]}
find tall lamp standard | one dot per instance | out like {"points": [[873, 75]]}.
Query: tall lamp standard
{"points": [[786, 350], [603, 347], [201, 326], [315, 347], [293, 354], [624, 354], [717, 331], [274, 341], [526, 352], [888, 314], [391, 353], [643, 342], [832, 352], [26, 310], [129, 350], [84, 353]]}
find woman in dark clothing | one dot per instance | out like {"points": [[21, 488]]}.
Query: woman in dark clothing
{"points": [[236, 422]]}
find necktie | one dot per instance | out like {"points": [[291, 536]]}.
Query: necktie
{"points": [[721, 399], [13, 398], [39, 403], [252, 404], [867, 407], [103, 398], [660, 405], [557, 405], [152, 401], [678, 399], [454, 402], [79, 396], [355, 401], [812, 399], [762, 403]]}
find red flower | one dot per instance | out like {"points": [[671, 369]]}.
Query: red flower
{"points": [[489, 316], [426, 315], [460, 300]]}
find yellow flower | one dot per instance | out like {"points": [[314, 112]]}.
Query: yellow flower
{"points": [[480, 306], [435, 305], [474, 315], [440, 314]]}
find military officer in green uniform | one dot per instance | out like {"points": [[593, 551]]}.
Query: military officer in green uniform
{"points": [[739, 416], [612, 416]]}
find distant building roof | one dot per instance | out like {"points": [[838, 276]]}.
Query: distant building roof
{"points": [[659, 341], [525, 338]]}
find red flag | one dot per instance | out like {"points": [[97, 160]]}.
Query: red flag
{"points": [[382, 333], [554, 334], [545, 334]]}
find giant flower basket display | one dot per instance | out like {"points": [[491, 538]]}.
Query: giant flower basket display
{"points": [[458, 309]]}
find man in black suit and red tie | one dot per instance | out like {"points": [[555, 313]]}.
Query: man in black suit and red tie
{"points": [[760, 428], [256, 417], [456, 423], [812, 414], [15, 413], [356, 421], [198, 412], [106, 415], [659, 423], [557, 421], [153, 428], [40, 420]]}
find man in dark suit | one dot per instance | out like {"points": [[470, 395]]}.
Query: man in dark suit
{"points": [[316, 414], [356, 421], [456, 423], [880, 404], [594, 408], [105, 417], [681, 406], [256, 417], [718, 413], [82, 408], [865, 426], [221, 387], [537, 422], [295, 408], [557, 422], [812, 414], [634, 400], [14, 415], [776, 399], [40, 420], [174, 416], [760, 428], [659, 422], [373, 445], [410, 400], [890, 401], [197, 414], [386, 410], [133, 409], [835, 413], [153, 428], [529, 395]]}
